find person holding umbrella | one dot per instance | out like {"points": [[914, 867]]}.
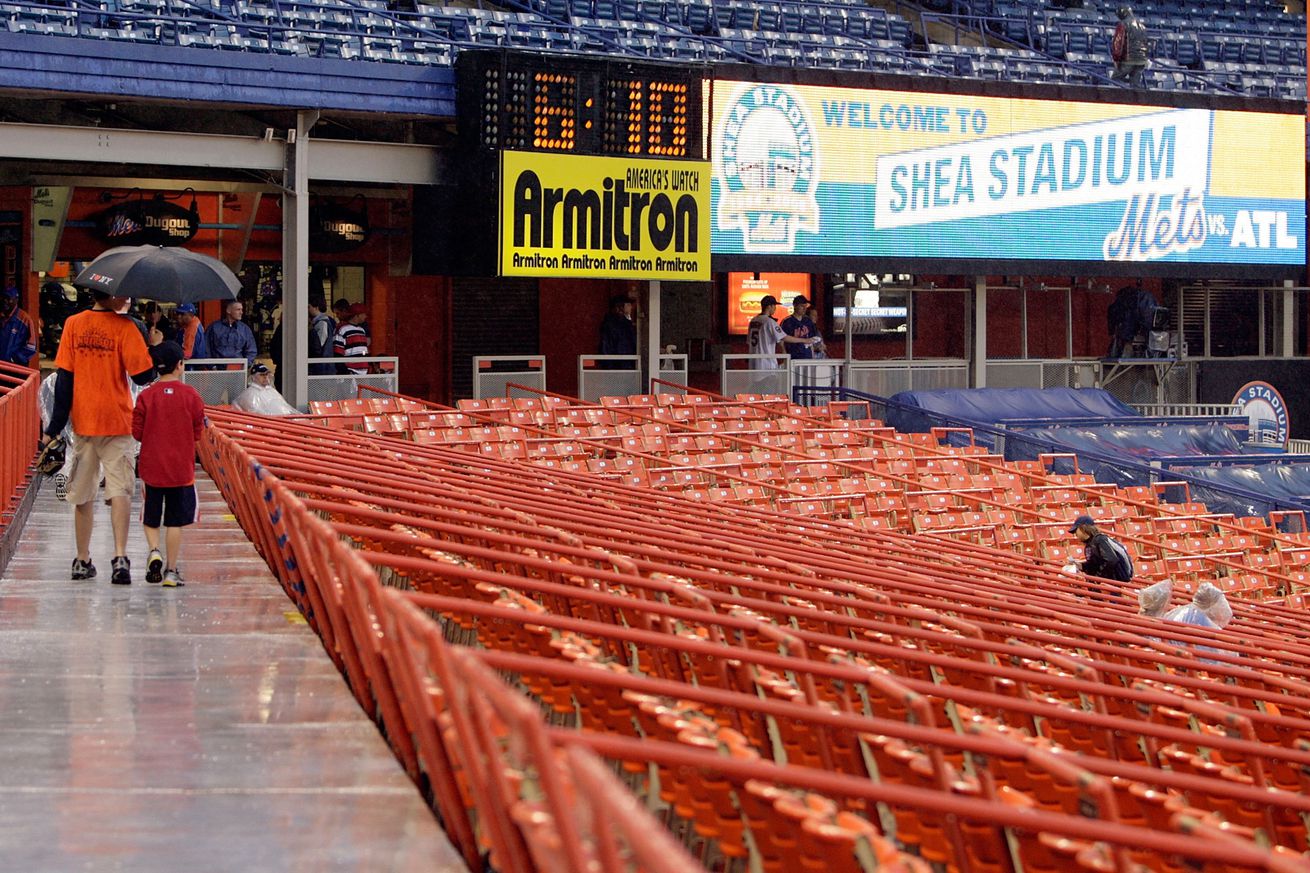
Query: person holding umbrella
{"points": [[97, 348]]}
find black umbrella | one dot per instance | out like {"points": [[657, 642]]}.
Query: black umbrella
{"points": [[168, 275]]}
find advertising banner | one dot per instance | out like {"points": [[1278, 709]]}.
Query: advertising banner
{"points": [[746, 290], [596, 217], [844, 172]]}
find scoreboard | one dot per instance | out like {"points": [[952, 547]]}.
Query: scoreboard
{"points": [[601, 159], [523, 101]]}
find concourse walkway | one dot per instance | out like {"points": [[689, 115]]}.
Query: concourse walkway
{"points": [[198, 728]]}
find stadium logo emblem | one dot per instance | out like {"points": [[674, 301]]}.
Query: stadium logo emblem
{"points": [[1263, 406], [768, 169]]}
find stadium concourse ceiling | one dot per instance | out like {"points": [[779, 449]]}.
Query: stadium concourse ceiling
{"points": [[155, 138], [165, 116]]}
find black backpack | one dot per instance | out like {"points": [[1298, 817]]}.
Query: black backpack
{"points": [[1125, 560], [317, 349]]}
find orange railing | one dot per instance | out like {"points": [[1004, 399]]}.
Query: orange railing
{"points": [[20, 429], [738, 669]]}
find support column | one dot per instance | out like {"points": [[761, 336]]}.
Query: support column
{"points": [[295, 262], [1287, 343], [653, 343], [978, 370]]}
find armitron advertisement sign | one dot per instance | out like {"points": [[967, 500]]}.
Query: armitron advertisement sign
{"points": [[594, 217], [824, 171]]}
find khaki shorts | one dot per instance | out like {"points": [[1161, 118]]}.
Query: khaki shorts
{"points": [[110, 456]]}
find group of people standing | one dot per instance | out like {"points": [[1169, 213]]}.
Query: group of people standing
{"points": [[344, 336], [798, 333]]}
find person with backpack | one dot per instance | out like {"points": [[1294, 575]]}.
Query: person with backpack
{"points": [[322, 328], [1106, 557]]}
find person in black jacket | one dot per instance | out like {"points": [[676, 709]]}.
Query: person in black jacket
{"points": [[1106, 557], [1129, 48], [618, 334]]}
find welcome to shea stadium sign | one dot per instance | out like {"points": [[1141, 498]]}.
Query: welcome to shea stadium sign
{"points": [[599, 217], [809, 170]]}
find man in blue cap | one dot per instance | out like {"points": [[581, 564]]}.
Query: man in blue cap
{"points": [[17, 332], [1106, 556], [191, 333]]}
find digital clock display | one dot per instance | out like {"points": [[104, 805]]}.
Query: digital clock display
{"points": [[525, 101]]}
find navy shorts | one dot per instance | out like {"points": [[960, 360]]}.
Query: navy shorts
{"points": [[176, 507]]}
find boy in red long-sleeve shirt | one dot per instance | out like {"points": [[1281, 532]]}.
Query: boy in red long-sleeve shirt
{"points": [[168, 420]]}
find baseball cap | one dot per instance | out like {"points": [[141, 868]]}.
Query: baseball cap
{"points": [[1080, 521], [259, 370], [358, 309], [768, 300], [183, 308], [10, 291], [799, 299], [166, 356]]}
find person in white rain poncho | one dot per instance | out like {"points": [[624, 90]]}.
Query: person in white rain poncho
{"points": [[1153, 600], [1209, 606], [260, 397]]}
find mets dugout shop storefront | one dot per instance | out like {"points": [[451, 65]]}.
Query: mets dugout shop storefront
{"points": [[100, 348]]}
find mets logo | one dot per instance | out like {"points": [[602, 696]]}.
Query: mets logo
{"points": [[768, 169], [1263, 406], [121, 225]]}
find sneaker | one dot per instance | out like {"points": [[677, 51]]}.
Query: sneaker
{"points": [[83, 570], [173, 579], [154, 567], [122, 571], [61, 486]]}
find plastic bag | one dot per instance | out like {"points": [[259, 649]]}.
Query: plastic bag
{"points": [[45, 398], [1189, 614], [263, 400], [1153, 600], [1210, 600]]}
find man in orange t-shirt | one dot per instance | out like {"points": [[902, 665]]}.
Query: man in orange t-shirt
{"points": [[98, 350]]}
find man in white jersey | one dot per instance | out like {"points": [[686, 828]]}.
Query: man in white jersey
{"points": [[765, 333]]}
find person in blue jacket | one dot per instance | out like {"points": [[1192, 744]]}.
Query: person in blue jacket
{"points": [[17, 332], [230, 337]]}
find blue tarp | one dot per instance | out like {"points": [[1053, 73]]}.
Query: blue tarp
{"points": [[1278, 481], [1132, 443], [992, 405], [1143, 442]]}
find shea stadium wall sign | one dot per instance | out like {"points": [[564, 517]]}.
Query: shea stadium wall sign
{"points": [[818, 171], [1264, 406], [598, 217]]}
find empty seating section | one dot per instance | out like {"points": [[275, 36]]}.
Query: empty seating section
{"points": [[799, 639], [769, 453], [1253, 49]]}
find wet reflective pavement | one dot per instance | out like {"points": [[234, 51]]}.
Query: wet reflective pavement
{"points": [[197, 728]]}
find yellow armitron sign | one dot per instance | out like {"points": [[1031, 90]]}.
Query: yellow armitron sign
{"points": [[604, 218]]}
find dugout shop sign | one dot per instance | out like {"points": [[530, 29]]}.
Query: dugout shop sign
{"points": [[147, 222], [848, 172], [604, 218]]}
